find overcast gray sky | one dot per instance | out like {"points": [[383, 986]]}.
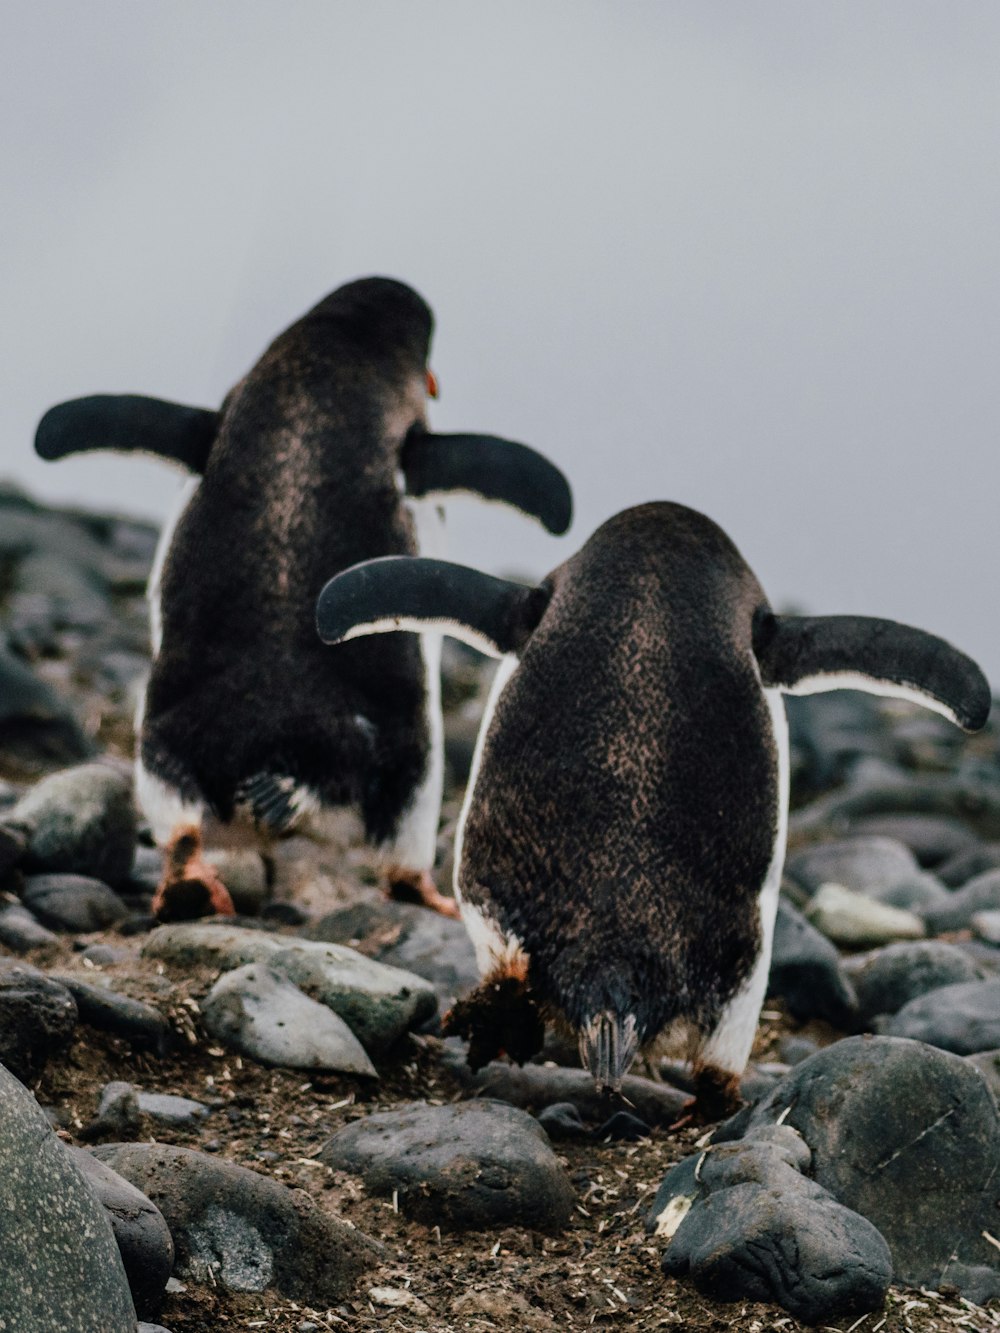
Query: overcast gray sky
{"points": [[741, 255]]}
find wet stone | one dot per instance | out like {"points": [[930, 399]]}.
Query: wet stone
{"points": [[478, 1164]]}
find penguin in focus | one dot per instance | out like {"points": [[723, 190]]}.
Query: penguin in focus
{"points": [[317, 459], [619, 853]]}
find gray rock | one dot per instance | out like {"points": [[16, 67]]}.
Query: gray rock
{"points": [[242, 871], [118, 1114], [105, 955], [562, 1120], [907, 1136], [540, 1085], [987, 926], [250, 1232], [988, 1064], [37, 1018], [854, 920], [806, 972], [81, 821], [478, 1164], [12, 847], [859, 863], [59, 1265], [259, 1013], [21, 932], [172, 1111], [973, 800], [379, 1003], [959, 869], [931, 838], [75, 903], [981, 894], [891, 977], [794, 1049], [141, 1233], [963, 1018], [37, 728], [914, 894], [102, 1007]]}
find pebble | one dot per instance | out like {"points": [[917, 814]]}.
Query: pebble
{"points": [[37, 1019], [103, 1008], [142, 1235], [856, 921], [981, 894], [859, 863], [37, 728], [891, 977], [75, 903], [252, 1232], [258, 1012], [21, 931], [959, 869], [80, 821], [561, 1120], [242, 871], [623, 1127], [172, 1111], [479, 1164], [907, 1136], [807, 973], [964, 1018], [913, 894], [60, 1267], [987, 926], [931, 838]]}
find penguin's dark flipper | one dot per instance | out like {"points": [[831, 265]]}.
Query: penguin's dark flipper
{"points": [[493, 469], [128, 423], [399, 592], [811, 654]]}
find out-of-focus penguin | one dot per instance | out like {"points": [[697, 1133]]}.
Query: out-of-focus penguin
{"points": [[250, 725], [620, 850]]}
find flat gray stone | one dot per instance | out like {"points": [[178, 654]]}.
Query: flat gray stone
{"points": [[37, 1019], [167, 1109], [964, 1018], [478, 1164], [21, 931], [102, 1007], [379, 1003], [81, 821], [141, 1233], [891, 977], [78, 904], [258, 1012], [981, 894], [251, 1232], [60, 1267], [860, 863], [920, 891], [854, 920]]}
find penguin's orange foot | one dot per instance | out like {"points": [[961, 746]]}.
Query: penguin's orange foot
{"points": [[416, 886], [717, 1096], [190, 887]]}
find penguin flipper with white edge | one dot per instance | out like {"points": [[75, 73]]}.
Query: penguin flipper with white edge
{"points": [[619, 853], [317, 459]]}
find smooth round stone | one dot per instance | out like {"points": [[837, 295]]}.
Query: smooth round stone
{"points": [[259, 1013], [21, 931], [959, 869], [75, 903], [242, 871], [562, 1120], [142, 1236], [987, 926], [858, 863], [806, 971], [931, 838], [914, 894], [13, 844], [623, 1127], [854, 920], [963, 1018], [477, 1164], [249, 1231], [981, 894], [890, 978], [170, 1110], [103, 1008], [60, 1267], [37, 1019], [81, 821]]}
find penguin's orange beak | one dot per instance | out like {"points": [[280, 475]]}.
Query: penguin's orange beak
{"points": [[432, 385]]}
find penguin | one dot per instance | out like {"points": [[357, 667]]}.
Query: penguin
{"points": [[320, 457], [620, 849]]}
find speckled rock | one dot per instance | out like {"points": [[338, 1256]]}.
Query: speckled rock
{"points": [[250, 1231], [963, 1018], [59, 1264], [141, 1233], [258, 1012], [81, 821], [37, 1018], [854, 920], [78, 904], [478, 1164]]}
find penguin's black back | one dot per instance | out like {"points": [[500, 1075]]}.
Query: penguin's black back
{"points": [[301, 480], [626, 804]]}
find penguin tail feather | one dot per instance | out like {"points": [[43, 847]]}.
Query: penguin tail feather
{"points": [[276, 803], [608, 1045]]}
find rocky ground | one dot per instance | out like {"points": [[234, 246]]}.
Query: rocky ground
{"points": [[387, 1186]]}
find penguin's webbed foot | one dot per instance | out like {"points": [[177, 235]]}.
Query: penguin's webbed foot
{"points": [[716, 1097], [190, 887], [417, 886], [500, 1017]]}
